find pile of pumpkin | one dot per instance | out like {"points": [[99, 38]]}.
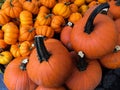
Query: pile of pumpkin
{"points": [[88, 37]]}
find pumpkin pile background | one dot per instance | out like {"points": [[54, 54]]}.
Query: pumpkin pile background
{"points": [[23, 23]]}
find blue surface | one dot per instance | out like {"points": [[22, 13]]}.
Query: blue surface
{"points": [[2, 85]]}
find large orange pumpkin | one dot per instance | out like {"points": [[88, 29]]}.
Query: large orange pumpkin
{"points": [[45, 88], [112, 60], [86, 74], [91, 34], [50, 63], [16, 77]]}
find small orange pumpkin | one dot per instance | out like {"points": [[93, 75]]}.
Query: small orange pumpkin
{"points": [[50, 63], [79, 2], [44, 9], [44, 30], [11, 33], [57, 23], [20, 81], [26, 18], [12, 8], [62, 9], [26, 32], [31, 5], [3, 44], [48, 3], [83, 8], [93, 3], [74, 8]]}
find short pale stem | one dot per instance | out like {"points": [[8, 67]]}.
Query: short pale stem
{"points": [[43, 54], [67, 3]]}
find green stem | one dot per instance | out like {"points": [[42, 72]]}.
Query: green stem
{"points": [[89, 27], [49, 15], [67, 3], [42, 52], [117, 3], [31, 29]]}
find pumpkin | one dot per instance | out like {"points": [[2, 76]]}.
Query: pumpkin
{"points": [[45, 88], [91, 35], [65, 36], [11, 33], [5, 57], [31, 5], [74, 8], [102, 1], [26, 32], [3, 45], [112, 60], [114, 8], [22, 1], [21, 49], [93, 3], [48, 3], [1, 34], [43, 19], [63, 1], [26, 18], [117, 23], [62, 9], [86, 74], [82, 9], [16, 77], [3, 18], [57, 23], [44, 30], [12, 8], [50, 63], [44, 9], [74, 17], [79, 2]]}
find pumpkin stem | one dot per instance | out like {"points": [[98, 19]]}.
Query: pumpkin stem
{"points": [[117, 48], [31, 29], [117, 3], [81, 63], [89, 25], [11, 3], [29, 0], [23, 64], [67, 3], [47, 16], [42, 52], [1, 54]]}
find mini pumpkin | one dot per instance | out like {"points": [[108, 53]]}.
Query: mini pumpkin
{"points": [[48, 3], [3, 18], [74, 8], [26, 18], [11, 33], [50, 63], [16, 77], [62, 9], [3, 44], [79, 2], [57, 23], [44, 9], [84, 36], [46, 31], [26, 32], [31, 5], [5, 57], [83, 8], [93, 3], [12, 8]]}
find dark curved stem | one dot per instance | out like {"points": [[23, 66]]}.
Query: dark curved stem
{"points": [[89, 25], [11, 3], [29, 0], [42, 52], [117, 3]]}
